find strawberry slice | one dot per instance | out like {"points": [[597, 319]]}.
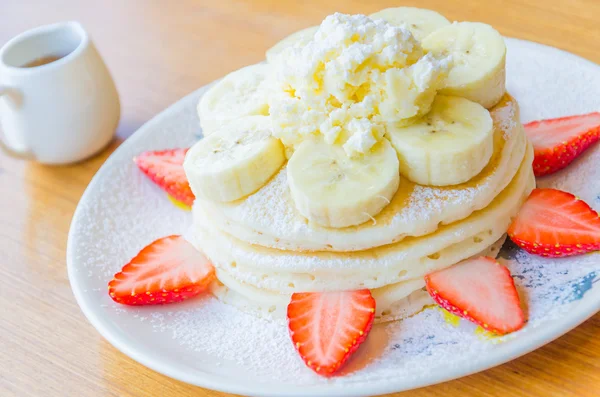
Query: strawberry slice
{"points": [[168, 270], [554, 223], [480, 290], [165, 168], [557, 142], [327, 327]]}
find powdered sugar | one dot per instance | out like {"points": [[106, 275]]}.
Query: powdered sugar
{"points": [[505, 117], [205, 342]]}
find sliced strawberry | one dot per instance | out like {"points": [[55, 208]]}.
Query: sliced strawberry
{"points": [[165, 168], [327, 327], [166, 271], [555, 223], [480, 290], [557, 142]]}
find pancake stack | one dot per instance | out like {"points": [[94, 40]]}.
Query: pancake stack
{"points": [[266, 245]]}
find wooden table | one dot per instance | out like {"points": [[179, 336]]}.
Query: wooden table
{"points": [[158, 51]]}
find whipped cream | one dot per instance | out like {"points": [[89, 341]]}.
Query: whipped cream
{"points": [[352, 79]]}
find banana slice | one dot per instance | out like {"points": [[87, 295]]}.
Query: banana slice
{"points": [[449, 145], [247, 123], [333, 190], [299, 37], [240, 93], [419, 21], [233, 164], [479, 56]]}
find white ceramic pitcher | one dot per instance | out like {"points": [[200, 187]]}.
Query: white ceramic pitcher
{"points": [[62, 111]]}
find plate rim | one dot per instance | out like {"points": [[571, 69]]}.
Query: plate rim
{"points": [[517, 347]]}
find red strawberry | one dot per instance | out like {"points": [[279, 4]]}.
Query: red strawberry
{"points": [[555, 223], [165, 168], [166, 271], [327, 327], [480, 290], [557, 142]]}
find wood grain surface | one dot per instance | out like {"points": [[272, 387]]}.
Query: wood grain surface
{"points": [[159, 51]]}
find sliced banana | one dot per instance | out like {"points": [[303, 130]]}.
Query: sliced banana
{"points": [[299, 37], [449, 145], [233, 164], [419, 21], [241, 93], [248, 123], [479, 56], [333, 190]]}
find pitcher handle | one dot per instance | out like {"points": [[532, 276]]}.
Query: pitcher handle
{"points": [[24, 153]]}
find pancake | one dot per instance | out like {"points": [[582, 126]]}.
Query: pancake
{"points": [[269, 217], [288, 271], [393, 302]]}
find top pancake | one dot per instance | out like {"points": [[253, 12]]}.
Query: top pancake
{"points": [[269, 217]]}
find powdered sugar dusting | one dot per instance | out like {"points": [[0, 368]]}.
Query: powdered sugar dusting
{"points": [[206, 341], [505, 117], [229, 331]]}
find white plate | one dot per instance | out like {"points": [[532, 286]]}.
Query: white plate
{"points": [[205, 343]]}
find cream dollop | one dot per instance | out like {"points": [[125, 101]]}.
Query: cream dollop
{"points": [[352, 79]]}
